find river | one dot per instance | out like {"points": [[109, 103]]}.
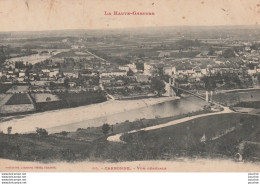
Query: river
{"points": [[161, 110], [110, 112]]}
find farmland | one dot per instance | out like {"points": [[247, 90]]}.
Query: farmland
{"points": [[45, 97]]}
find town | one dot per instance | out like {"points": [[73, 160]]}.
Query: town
{"points": [[77, 71]]}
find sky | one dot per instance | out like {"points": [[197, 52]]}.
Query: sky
{"points": [[37, 15]]}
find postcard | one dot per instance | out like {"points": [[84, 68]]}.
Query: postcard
{"points": [[129, 86]]}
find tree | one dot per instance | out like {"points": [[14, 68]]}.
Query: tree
{"points": [[41, 131], [48, 99], [139, 66], [210, 82], [228, 53], [211, 51], [141, 55], [251, 66], [105, 128], [255, 46], [66, 82], [158, 85], [130, 73], [9, 130]]}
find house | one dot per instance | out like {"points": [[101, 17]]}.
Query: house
{"points": [[196, 73], [147, 66], [60, 81], [164, 54], [54, 72], [132, 66], [72, 84], [120, 82], [204, 71], [252, 72], [114, 73], [44, 79], [10, 74], [20, 79], [148, 69], [71, 74], [184, 71], [247, 48], [74, 46], [106, 80], [21, 74], [45, 70], [124, 68], [168, 70]]}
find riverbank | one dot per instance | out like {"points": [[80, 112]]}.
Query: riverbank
{"points": [[93, 133], [61, 117]]}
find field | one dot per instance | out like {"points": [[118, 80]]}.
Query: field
{"points": [[255, 104], [18, 89], [4, 87], [237, 97], [213, 136], [17, 103], [18, 99]]}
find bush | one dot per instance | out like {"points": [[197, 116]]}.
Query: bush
{"points": [[64, 133], [9, 130], [41, 131], [105, 128]]}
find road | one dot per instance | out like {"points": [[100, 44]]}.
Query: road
{"points": [[96, 56], [234, 90]]}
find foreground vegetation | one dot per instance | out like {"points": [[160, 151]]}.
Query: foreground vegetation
{"points": [[223, 135]]}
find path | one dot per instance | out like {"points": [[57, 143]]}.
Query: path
{"points": [[4, 100], [116, 138]]}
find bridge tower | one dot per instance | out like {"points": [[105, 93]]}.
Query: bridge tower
{"points": [[168, 88], [207, 96]]}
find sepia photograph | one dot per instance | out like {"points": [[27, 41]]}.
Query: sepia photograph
{"points": [[129, 86]]}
